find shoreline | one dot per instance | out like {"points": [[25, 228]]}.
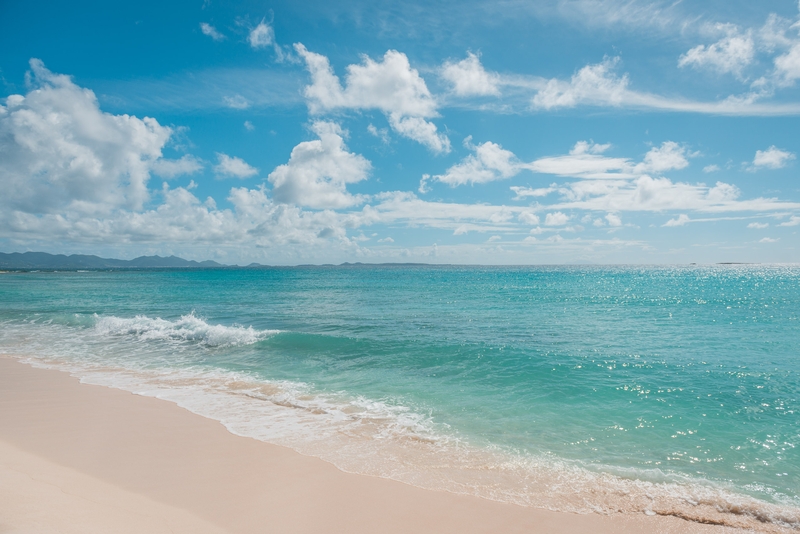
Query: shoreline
{"points": [[96, 456]]}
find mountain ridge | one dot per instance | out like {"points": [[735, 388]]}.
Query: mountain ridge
{"points": [[44, 260]]}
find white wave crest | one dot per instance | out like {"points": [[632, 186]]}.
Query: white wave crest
{"points": [[187, 328]]}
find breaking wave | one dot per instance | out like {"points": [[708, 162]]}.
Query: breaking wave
{"points": [[189, 328]]}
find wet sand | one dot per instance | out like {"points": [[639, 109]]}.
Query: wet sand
{"points": [[84, 459]]}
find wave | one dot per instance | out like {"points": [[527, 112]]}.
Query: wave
{"points": [[380, 437], [189, 328], [389, 440]]}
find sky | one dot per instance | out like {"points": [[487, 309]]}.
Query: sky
{"points": [[503, 132]]}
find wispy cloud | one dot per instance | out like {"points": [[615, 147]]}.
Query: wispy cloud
{"points": [[211, 31], [601, 85], [236, 102], [201, 90], [261, 36]]}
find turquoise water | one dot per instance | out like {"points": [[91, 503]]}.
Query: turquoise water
{"points": [[669, 390]]}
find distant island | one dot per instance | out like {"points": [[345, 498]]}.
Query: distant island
{"points": [[43, 260], [32, 261]]}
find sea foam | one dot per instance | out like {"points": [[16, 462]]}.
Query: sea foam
{"points": [[380, 437], [189, 328]]}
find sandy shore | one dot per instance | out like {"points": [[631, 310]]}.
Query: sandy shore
{"points": [[82, 458]]}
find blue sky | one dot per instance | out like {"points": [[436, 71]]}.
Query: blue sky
{"points": [[563, 131]]}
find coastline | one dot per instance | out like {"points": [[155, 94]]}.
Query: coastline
{"points": [[91, 456]]}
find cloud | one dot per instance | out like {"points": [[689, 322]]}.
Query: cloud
{"points": [[524, 192], [182, 219], [618, 184], [593, 84], [731, 54], [211, 31], [60, 151], [169, 168], [660, 194], [588, 147], [380, 133], [768, 240], [758, 225], [787, 66], [420, 130], [669, 156], [386, 240], [318, 171], [59, 127], [649, 16], [599, 85], [556, 219], [236, 102], [233, 167], [390, 85], [613, 219], [585, 160], [772, 158], [398, 206], [469, 78], [681, 220], [528, 217], [249, 126], [261, 36], [489, 162], [794, 220], [711, 168]]}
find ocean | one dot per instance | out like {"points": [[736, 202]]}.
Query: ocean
{"points": [[643, 390]]}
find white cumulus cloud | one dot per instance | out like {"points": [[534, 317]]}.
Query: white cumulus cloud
{"points": [[389, 85], [669, 156], [468, 77], [613, 219], [233, 167], [593, 84], [787, 66], [731, 54], [318, 171], [489, 162], [772, 158], [556, 219], [59, 150]]}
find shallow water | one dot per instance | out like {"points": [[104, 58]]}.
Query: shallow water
{"points": [[609, 389]]}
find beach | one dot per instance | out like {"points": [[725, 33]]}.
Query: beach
{"points": [[452, 399], [83, 458]]}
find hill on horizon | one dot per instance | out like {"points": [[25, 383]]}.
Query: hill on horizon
{"points": [[43, 260]]}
